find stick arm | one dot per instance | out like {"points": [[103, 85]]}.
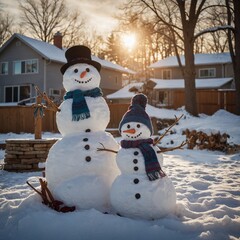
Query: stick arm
{"points": [[106, 149], [168, 129], [174, 148]]}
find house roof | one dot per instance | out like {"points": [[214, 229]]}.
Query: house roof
{"points": [[212, 83], [200, 59], [125, 92], [53, 53]]}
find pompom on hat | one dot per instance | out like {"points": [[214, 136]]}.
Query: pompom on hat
{"points": [[136, 112], [79, 54]]}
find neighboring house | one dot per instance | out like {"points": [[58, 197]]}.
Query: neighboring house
{"points": [[26, 62], [214, 84], [218, 65], [164, 93], [214, 72]]}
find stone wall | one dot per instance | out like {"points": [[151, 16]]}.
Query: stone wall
{"points": [[25, 155]]}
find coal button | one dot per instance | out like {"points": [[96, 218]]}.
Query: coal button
{"points": [[88, 130], [87, 147], [135, 153], [85, 139], [135, 168], [135, 161], [137, 195], [136, 180], [88, 158]]}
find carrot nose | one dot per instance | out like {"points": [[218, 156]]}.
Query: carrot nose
{"points": [[132, 131], [82, 75]]}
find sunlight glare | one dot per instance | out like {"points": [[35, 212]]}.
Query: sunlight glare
{"points": [[129, 40]]}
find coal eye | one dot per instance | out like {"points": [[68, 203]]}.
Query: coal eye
{"points": [[87, 69], [128, 126], [75, 70], [138, 125]]}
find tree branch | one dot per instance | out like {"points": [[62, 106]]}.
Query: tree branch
{"points": [[214, 29], [166, 23]]}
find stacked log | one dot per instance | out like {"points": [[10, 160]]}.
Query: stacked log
{"points": [[213, 141]]}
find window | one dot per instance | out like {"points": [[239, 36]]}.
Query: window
{"points": [[4, 68], [207, 72], [26, 66], [16, 93], [166, 74], [165, 99], [54, 92]]}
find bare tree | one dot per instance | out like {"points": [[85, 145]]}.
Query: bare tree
{"points": [[6, 22], [43, 18], [189, 17], [233, 10], [94, 41]]}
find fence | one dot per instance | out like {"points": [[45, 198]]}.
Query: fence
{"points": [[19, 119], [209, 101]]}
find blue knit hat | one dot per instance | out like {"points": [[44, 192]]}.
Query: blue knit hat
{"points": [[136, 112]]}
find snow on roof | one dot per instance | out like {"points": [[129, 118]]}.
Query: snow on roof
{"points": [[200, 83], [47, 50], [212, 83], [200, 59], [50, 51], [124, 92]]}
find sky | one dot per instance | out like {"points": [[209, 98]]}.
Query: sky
{"points": [[98, 14]]}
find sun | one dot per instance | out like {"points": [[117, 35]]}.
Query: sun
{"points": [[129, 40]]}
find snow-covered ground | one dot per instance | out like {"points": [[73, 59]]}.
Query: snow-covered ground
{"points": [[207, 185]]}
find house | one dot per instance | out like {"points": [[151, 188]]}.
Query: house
{"points": [[165, 93], [218, 65], [214, 84], [26, 62]]}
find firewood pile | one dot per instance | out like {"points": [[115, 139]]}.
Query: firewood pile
{"points": [[213, 141]]}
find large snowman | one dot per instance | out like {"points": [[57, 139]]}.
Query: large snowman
{"points": [[142, 190], [76, 173]]}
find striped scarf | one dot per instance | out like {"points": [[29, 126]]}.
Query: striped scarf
{"points": [[80, 108], [152, 166]]}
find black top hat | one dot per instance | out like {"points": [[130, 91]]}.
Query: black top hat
{"points": [[79, 54]]}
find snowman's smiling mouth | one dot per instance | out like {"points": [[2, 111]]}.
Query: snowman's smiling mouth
{"points": [[83, 81], [134, 136]]}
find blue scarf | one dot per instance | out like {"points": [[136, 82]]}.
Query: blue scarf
{"points": [[80, 108], [152, 166]]}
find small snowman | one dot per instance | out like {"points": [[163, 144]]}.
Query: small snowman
{"points": [[76, 173], [142, 190]]}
